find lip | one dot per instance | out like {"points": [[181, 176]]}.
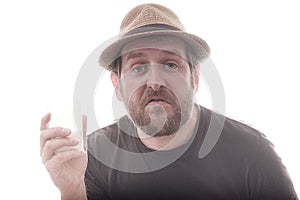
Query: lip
{"points": [[156, 101]]}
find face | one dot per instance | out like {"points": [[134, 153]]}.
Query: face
{"points": [[156, 84]]}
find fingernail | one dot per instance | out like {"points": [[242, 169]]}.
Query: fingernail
{"points": [[65, 131]]}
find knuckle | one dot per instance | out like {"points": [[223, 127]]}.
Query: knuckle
{"points": [[50, 133], [44, 160], [42, 121], [48, 165], [43, 135], [48, 145], [61, 157]]}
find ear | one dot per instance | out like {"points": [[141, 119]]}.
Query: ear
{"points": [[115, 81], [196, 75]]}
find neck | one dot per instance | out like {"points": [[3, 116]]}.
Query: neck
{"points": [[174, 140]]}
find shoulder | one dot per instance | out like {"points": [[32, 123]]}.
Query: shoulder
{"points": [[117, 134], [100, 140], [230, 127], [236, 139], [242, 131], [108, 131], [251, 155]]}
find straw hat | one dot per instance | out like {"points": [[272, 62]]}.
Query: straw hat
{"points": [[151, 20]]}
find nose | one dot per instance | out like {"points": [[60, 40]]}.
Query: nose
{"points": [[155, 78]]}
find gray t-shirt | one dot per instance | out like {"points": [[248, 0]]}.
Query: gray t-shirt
{"points": [[241, 165]]}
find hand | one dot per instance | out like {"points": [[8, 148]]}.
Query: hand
{"points": [[66, 168]]}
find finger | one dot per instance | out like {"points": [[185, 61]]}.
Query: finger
{"points": [[51, 146], [52, 133], [63, 157], [45, 121]]}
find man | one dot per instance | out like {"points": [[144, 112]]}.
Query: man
{"points": [[153, 152]]}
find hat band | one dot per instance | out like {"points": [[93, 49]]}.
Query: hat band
{"points": [[151, 28]]}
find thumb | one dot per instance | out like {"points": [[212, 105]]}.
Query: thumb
{"points": [[45, 122]]}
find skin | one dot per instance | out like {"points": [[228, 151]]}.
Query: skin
{"points": [[67, 168], [162, 70]]}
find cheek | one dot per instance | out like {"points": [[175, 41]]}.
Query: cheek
{"points": [[180, 85], [131, 87], [132, 94]]}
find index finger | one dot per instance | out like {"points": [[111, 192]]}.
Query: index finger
{"points": [[45, 122]]}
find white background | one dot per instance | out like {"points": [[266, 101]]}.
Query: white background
{"points": [[255, 47]]}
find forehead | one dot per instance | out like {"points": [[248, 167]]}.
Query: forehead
{"points": [[170, 44]]}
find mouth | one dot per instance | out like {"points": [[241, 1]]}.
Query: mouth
{"points": [[156, 101]]}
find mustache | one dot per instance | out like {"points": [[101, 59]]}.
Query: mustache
{"points": [[163, 93]]}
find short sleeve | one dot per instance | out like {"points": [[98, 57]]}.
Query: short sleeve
{"points": [[268, 178]]}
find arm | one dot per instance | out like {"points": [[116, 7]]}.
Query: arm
{"points": [[66, 168], [268, 177], [78, 194]]}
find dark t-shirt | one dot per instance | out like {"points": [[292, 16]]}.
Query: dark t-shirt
{"points": [[241, 165]]}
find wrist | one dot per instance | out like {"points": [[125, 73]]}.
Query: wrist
{"points": [[75, 193]]}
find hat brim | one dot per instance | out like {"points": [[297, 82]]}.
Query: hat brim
{"points": [[198, 46]]}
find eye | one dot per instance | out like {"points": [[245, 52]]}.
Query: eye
{"points": [[138, 68], [171, 66]]}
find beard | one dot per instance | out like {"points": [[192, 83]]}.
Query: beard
{"points": [[155, 120]]}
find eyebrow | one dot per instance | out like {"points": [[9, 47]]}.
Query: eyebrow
{"points": [[136, 54], [174, 52], [133, 54]]}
